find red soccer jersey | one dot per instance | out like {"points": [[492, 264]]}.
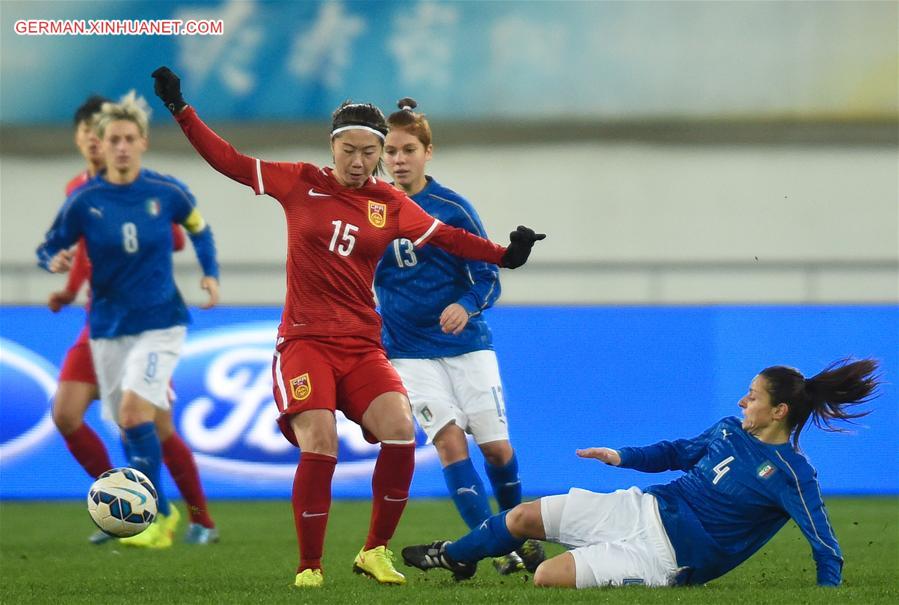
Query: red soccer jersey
{"points": [[335, 235]]}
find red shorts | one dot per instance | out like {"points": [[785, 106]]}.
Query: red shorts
{"points": [[78, 366], [339, 373]]}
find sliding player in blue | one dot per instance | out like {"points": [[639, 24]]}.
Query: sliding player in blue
{"points": [[743, 480], [436, 337], [137, 317]]}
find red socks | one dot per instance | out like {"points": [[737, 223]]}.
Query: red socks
{"points": [[88, 450], [390, 491], [311, 504], [180, 462]]}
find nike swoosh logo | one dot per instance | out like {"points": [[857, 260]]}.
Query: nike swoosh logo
{"points": [[307, 514], [143, 498], [389, 499], [315, 193]]}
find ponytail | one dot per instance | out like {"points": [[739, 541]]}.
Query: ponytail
{"points": [[826, 396]]}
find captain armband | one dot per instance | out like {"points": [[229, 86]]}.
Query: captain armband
{"points": [[194, 223]]}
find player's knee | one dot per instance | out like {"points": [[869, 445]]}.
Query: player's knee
{"points": [[451, 445], [66, 418], [320, 444], [398, 427], [542, 575], [497, 453], [517, 521], [164, 426]]}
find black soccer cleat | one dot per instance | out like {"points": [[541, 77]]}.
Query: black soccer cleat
{"points": [[433, 556], [532, 554]]}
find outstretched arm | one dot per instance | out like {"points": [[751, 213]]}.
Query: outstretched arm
{"points": [[220, 154], [603, 454], [802, 501], [421, 228], [678, 455]]}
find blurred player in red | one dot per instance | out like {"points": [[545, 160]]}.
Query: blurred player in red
{"points": [[329, 356], [77, 387]]}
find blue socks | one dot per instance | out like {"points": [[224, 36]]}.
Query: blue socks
{"points": [[491, 539], [505, 482], [145, 454], [468, 493]]}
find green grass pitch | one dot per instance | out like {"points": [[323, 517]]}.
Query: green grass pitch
{"points": [[45, 558]]}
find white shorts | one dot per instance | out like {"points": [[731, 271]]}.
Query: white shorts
{"points": [[465, 389], [142, 363], [616, 539]]}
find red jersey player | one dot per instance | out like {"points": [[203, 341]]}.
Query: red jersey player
{"points": [[77, 386], [329, 355]]}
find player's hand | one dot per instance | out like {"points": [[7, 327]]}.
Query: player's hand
{"points": [[62, 262], [167, 86], [453, 319], [60, 299], [211, 285], [603, 454], [521, 242]]}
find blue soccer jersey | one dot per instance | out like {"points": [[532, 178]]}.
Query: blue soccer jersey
{"points": [[128, 233], [736, 493], [415, 286]]}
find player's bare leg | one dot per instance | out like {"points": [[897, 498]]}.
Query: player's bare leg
{"points": [[69, 407], [558, 571], [389, 419], [451, 445]]}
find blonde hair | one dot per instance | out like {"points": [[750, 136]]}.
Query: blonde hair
{"points": [[130, 107]]}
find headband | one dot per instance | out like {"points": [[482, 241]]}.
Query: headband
{"points": [[337, 131]]}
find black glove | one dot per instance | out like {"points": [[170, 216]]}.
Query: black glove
{"points": [[522, 240], [168, 88]]}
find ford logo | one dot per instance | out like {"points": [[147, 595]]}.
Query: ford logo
{"points": [[226, 412], [27, 384]]}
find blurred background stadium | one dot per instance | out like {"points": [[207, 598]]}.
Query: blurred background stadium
{"points": [[718, 181]]}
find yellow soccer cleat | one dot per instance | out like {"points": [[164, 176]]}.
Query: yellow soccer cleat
{"points": [[171, 521], [155, 536], [377, 563], [309, 578], [160, 534]]}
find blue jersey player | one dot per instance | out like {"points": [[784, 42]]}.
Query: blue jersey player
{"points": [[438, 341], [743, 480], [137, 317]]}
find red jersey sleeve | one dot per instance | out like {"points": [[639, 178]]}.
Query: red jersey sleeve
{"points": [[76, 182], [421, 228], [273, 178], [81, 269], [178, 238]]}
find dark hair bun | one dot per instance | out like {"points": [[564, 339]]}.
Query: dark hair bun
{"points": [[407, 103]]}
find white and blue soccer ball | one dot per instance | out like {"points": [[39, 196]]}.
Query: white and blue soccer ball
{"points": [[122, 502]]}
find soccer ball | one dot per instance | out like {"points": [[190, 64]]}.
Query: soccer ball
{"points": [[122, 502]]}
